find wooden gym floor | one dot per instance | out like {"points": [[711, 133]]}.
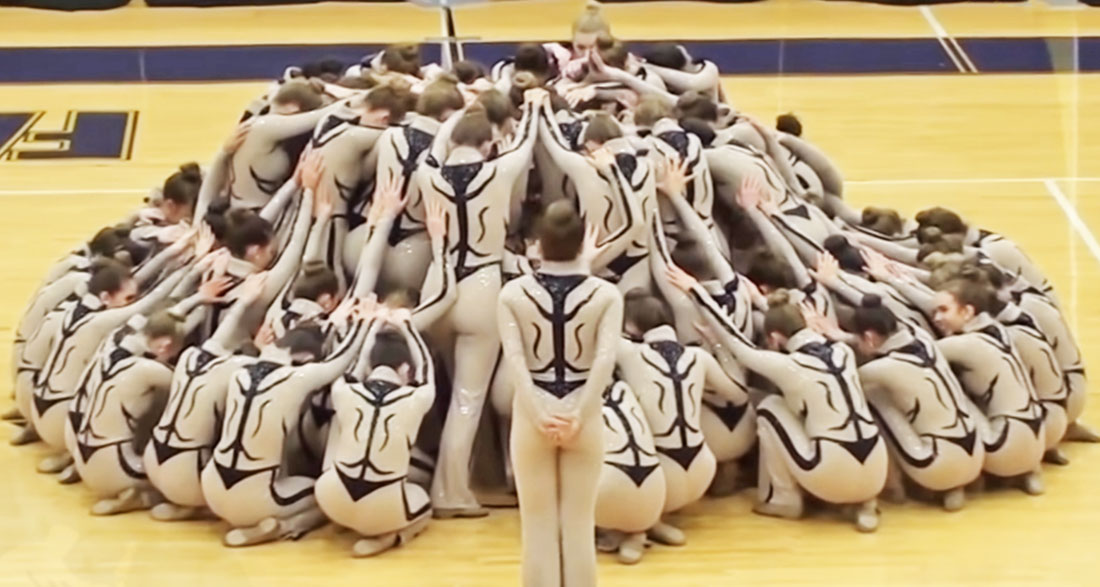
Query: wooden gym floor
{"points": [[1014, 153]]}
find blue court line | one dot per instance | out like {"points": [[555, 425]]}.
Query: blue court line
{"points": [[737, 57]]}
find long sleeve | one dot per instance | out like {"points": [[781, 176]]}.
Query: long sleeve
{"points": [[212, 184], [291, 256], [317, 243], [440, 289], [277, 127], [780, 245], [848, 288], [683, 310], [183, 308], [831, 179], [370, 260], [423, 368], [151, 268], [695, 226], [189, 284], [116, 317], [718, 380], [326, 371], [777, 367], [780, 163], [607, 344], [280, 200], [642, 87], [517, 157], [918, 294], [891, 249], [703, 81], [361, 367]]}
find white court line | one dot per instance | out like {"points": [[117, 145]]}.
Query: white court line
{"points": [[950, 46], [962, 180], [1074, 217], [66, 192]]}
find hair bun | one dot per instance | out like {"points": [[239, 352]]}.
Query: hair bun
{"points": [[789, 123], [191, 170], [525, 80], [592, 7], [779, 297], [870, 302]]}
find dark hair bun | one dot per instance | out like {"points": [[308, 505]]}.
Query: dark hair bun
{"points": [[870, 302], [789, 124], [191, 171]]}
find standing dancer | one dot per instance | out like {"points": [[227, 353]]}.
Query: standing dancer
{"points": [[560, 329]]}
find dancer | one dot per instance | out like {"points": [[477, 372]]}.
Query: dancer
{"points": [[917, 401], [1008, 413], [244, 483], [475, 191], [559, 328], [378, 413], [631, 494], [818, 434], [669, 379], [183, 439]]}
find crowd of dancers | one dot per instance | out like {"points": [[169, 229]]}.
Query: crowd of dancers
{"points": [[649, 288]]}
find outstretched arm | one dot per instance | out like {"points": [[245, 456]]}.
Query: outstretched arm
{"points": [[326, 371], [213, 183], [423, 367], [317, 242], [515, 160], [660, 259], [720, 381], [116, 317], [672, 187], [290, 257], [831, 179], [151, 268], [772, 237], [891, 248], [702, 81], [281, 199], [893, 275], [386, 205], [439, 288], [224, 335], [776, 367]]}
